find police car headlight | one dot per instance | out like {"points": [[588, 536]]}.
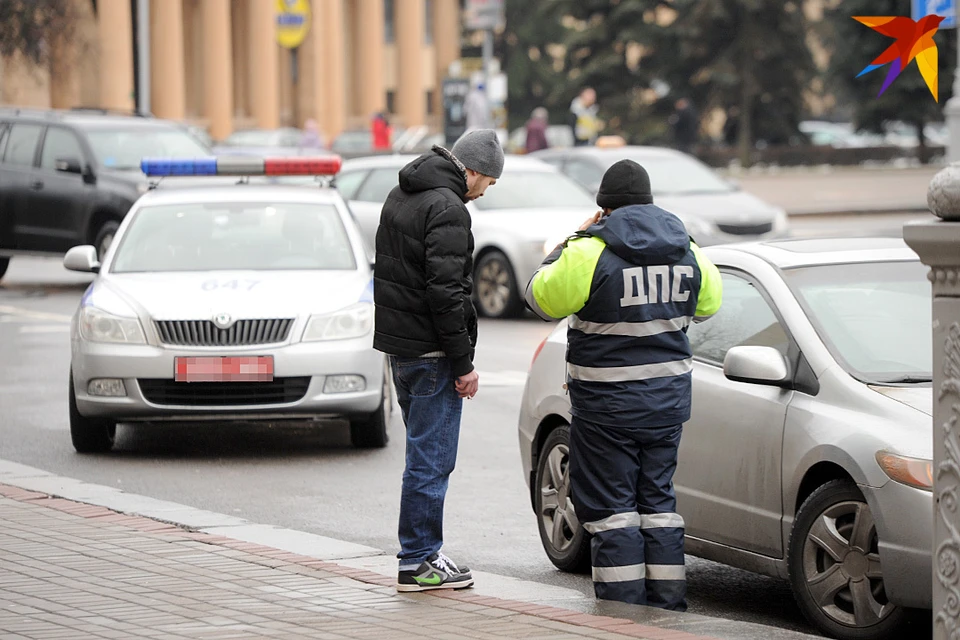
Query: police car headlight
{"points": [[352, 322], [96, 325]]}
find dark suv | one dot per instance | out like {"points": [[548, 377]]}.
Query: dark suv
{"points": [[68, 177]]}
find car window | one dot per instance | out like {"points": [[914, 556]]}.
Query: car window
{"points": [[235, 236], [520, 189], [59, 143], [22, 144], [745, 318], [677, 175], [4, 128], [377, 187], [348, 183], [585, 172], [124, 148]]}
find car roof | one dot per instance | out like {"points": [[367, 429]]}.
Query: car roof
{"points": [[805, 252], [85, 118], [612, 152], [510, 162], [204, 193]]}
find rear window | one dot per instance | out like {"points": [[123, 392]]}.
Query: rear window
{"points": [[235, 236]]}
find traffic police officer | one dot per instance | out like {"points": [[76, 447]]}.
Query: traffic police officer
{"points": [[631, 282]]}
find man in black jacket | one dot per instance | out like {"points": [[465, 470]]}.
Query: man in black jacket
{"points": [[425, 321]]}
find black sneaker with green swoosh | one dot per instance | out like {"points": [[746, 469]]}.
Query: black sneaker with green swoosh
{"points": [[436, 572]]}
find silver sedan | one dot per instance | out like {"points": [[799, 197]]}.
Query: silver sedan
{"points": [[516, 223], [228, 303], [808, 454]]}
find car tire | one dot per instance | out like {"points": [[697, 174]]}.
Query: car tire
{"points": [[566, 543], [370, 432], [834, 566], [104, 237], [89, 435], [4, 263], [496, 291]]}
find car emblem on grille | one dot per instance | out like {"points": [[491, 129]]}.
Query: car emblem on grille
{"points": [[223, 320]]}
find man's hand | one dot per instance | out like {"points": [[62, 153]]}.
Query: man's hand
{"points": [[468, 384], [592, 220]]}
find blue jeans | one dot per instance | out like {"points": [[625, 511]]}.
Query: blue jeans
{"points": [[431, 410]]}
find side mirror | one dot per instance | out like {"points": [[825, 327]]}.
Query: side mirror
{"points": [[82, 258], [756, 365], [69, 165]]}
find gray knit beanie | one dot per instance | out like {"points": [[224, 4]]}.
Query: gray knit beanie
{"points": [[480, 150]]}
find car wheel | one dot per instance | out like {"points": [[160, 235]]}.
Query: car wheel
{"points": [[497, 293], [565, 541], [834, 566], [89, 435], [104, 237], [370, 432], [4, 263]]}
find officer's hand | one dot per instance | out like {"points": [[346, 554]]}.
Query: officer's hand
{"points": [[592, 220], [468, 384]]}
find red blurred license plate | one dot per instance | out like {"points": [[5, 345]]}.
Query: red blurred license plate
{"points": [[224, 369]]}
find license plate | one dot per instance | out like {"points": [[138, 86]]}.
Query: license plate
{"points": [[224, 369]]}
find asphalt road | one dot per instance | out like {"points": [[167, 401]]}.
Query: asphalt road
{"points": [[309, 478]]}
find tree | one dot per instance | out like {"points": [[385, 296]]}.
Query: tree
{"points": [[908, 99], [748, 53], [30, 26]]}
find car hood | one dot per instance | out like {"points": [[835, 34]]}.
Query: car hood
{"points": [[919, 398], [735, 207], [531, 224], [242, 294]]}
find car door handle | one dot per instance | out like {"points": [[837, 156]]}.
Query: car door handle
{"points": [[36, 185]]}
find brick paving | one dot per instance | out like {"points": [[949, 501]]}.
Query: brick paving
{"points": [[72, 570]]}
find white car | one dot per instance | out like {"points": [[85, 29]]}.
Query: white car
{"points": [[516, 223], [235, 302]]}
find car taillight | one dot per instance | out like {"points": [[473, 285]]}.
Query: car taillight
{"points": [[539, 349]]}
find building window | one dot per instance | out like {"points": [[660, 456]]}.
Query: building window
{"points": [[430, 106], [428, 22], [389, 21], [391, 101]]}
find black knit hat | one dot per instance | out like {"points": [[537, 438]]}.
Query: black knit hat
{"points": [[626, 182]]}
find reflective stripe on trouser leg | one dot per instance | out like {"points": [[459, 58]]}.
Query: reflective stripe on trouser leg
{"points": [[616, 555]]}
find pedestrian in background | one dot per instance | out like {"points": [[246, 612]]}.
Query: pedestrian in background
{"points": [[381, 131], [686, 125], [631, 281], [476, 108], [583, 117], [426, 322], [311, 137], [537, 130]]}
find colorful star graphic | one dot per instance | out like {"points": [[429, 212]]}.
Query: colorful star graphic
{"points": [[914, 40]]}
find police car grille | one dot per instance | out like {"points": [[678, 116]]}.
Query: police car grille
{"points": [[746, 229], [224, 394], [203, 333]]}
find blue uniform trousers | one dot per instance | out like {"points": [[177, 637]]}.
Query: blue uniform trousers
{"points": [[622, 491]]}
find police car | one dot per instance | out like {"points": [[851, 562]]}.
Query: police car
{"points": [[221, 302]]}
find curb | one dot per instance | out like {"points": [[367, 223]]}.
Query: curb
{"points": [[275, 558]]}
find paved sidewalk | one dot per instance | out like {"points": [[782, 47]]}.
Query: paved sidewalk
{"points": [[72, 570]]}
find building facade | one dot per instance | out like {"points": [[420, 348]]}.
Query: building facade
{"points": [[218, 63]]}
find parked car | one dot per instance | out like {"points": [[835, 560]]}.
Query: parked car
{"points": [[516, 223], [714, 210], [69, 177], [280, 142], [808, 454], [198, 312]]}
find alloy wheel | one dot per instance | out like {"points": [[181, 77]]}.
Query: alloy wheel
{"points": [[559, 519], [493, 287]]}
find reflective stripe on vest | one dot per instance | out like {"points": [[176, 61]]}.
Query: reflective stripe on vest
{"points": [[627, 374], [631, 329]]}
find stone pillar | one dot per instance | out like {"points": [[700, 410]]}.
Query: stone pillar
{"points": [[115, 23], [330, 80], [264, 64], [446, 41], [937, 242], [410, 20], [368, 49], [167, 82], [217, 67]]}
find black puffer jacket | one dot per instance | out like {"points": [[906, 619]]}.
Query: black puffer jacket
{"points": [[422, 283]]}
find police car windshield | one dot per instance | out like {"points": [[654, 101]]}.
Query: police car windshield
{"points": [[875, 318], [234, 236], [124, 148], [535, 190]]}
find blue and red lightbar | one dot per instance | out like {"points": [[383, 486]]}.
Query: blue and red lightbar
{"points": [[241, 166]]}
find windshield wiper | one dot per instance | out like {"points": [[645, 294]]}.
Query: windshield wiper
{"points": [[914, 379]]}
